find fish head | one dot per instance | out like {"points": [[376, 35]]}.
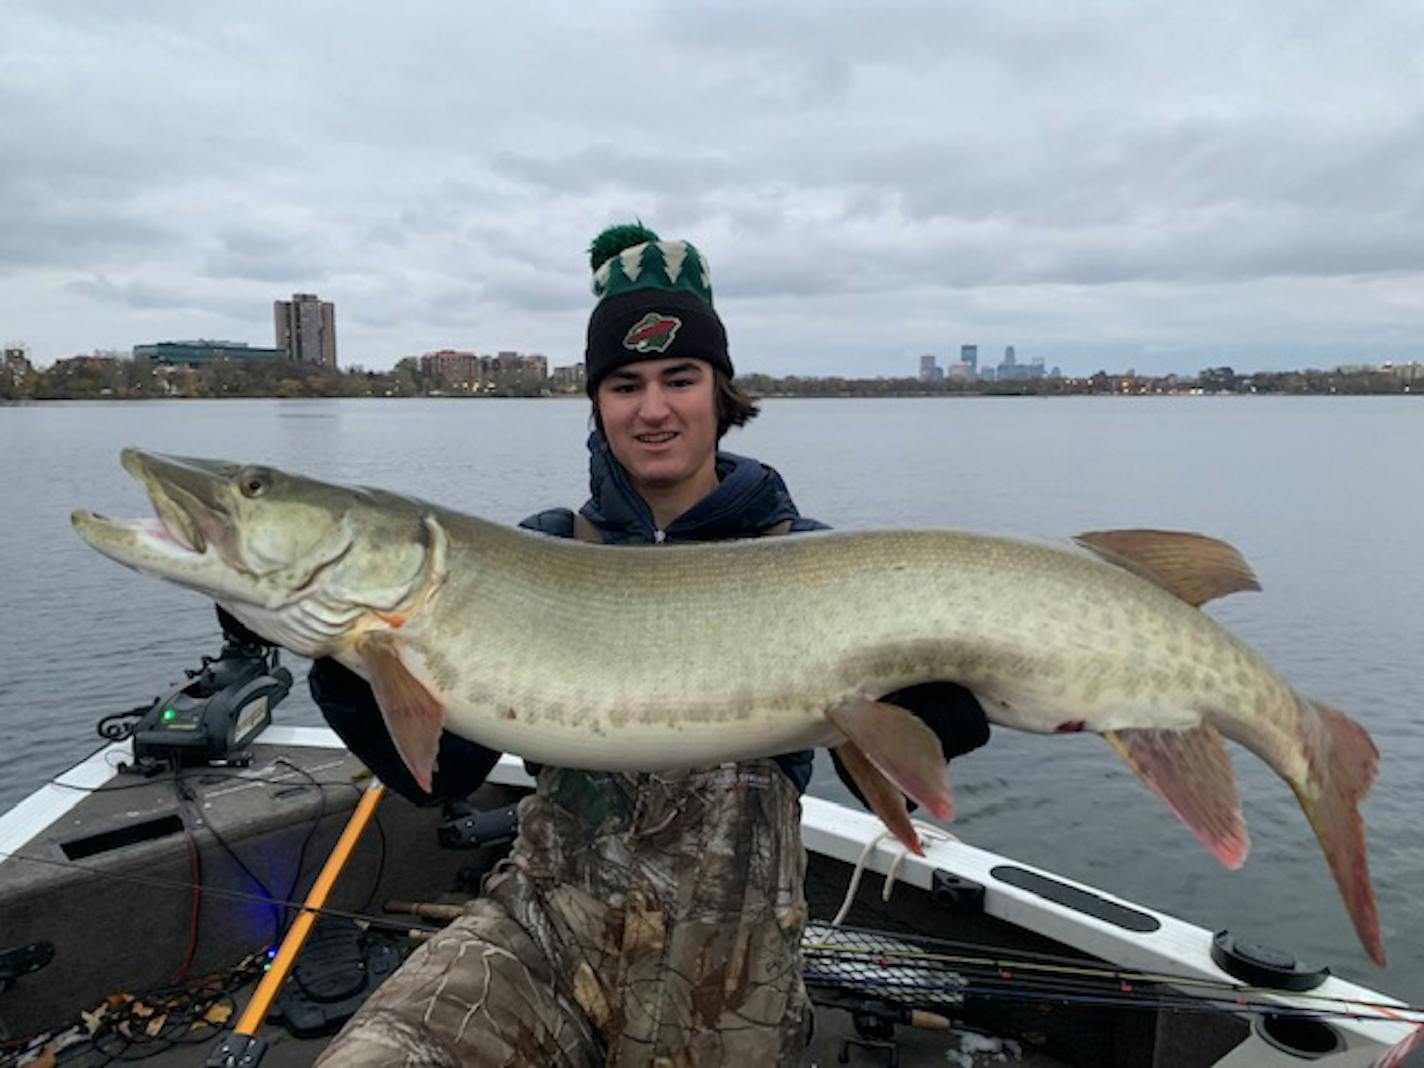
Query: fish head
{"points": [[307, 564]]}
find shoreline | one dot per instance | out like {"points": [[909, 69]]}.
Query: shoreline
{"points": [[23, 402]]}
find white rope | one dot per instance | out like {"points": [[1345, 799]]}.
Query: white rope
{"points": [[927, 834]]}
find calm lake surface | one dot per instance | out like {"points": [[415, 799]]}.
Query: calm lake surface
{"points": [[1323, 496]]}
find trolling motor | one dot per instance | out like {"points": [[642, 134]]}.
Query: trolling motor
{"points": [[212, 717]]}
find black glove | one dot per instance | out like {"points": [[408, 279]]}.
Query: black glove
{"points": [[350, 708], [948, 709]]}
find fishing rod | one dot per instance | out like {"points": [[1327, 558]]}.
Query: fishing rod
{"points": [[243, 896], [242, 1048], [1029, 975], [1068, 971]]}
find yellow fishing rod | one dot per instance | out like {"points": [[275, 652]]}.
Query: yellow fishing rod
{"points": [[242, 1048]]}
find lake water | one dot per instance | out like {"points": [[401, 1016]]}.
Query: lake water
{"points": [[1322, 495]]}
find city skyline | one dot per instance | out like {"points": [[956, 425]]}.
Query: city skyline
{"points": [[968, 367], [467, 365], [225, 369]]}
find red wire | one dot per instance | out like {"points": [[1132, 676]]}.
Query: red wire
{"points": [[196, 867]]}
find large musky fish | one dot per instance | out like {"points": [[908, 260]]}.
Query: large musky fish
{"points": [[641, 659]]}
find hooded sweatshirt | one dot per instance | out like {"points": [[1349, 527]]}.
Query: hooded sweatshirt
{"points": [[749, 498]]}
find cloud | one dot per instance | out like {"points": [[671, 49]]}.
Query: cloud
{"points": [[1161, 180], [277, 255]]}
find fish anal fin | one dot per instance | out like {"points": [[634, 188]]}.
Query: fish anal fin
{"points": [[884, 799], [1191, 771], [899, 744], [1194, 567], [413, 715]]}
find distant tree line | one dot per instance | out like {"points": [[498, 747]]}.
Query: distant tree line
{"points": [[117, 377], [122, 378], [1405, 378]]}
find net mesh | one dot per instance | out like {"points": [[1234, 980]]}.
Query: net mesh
{"points": [[877, 965]]}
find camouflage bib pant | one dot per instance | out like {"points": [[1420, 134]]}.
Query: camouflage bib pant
{"points": [[640, 920]]}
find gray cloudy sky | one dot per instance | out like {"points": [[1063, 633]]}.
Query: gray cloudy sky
{"points": [[1158, 185]]}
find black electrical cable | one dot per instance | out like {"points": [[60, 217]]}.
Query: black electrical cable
{"points": [[212, 773], [306, 841], [380, 834], [185, 794], [120, 1035], [110, 728], [380, 864], [405, 924]]}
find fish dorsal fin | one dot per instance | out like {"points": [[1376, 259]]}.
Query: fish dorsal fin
{"points": [[1192, 566]]}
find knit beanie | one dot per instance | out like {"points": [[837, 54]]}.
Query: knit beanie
{"points": [[654, 301]]}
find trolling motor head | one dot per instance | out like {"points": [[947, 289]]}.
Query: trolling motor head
{"points": [[213, 717]]}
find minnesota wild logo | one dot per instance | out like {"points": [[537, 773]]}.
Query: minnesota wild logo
{"points": [[652, 333]]}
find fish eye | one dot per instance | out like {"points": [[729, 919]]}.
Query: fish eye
{"points": [[253, 483]]}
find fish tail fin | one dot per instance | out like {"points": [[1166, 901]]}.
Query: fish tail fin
{"points": [[1343, 762], [1394, 1056]]}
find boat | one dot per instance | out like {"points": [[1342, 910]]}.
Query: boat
{"points": [[140, 901]]}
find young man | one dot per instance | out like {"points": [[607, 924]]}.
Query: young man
{"points": [[649, 919]]}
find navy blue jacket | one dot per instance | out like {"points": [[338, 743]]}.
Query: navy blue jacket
{"points": [[749, 498]]}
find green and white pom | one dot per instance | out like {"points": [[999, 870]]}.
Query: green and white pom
{"points": [[614, 240], [630, 257]]}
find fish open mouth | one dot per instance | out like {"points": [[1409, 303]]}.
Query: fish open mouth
{"points": [[174, 530], [180, 539], [175, 522]]}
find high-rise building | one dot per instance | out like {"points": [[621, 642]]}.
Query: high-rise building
{"points": [[306, 329], [969, 354], [929, 369], [1013, 371], [16, 367]]}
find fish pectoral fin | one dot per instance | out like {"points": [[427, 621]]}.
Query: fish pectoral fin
{"points": [[1191, 771], [899, 744], [1194, 567], [413, 715], [884, 799]]}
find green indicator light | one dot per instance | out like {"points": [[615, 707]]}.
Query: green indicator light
{"points": [[168, 713]]}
